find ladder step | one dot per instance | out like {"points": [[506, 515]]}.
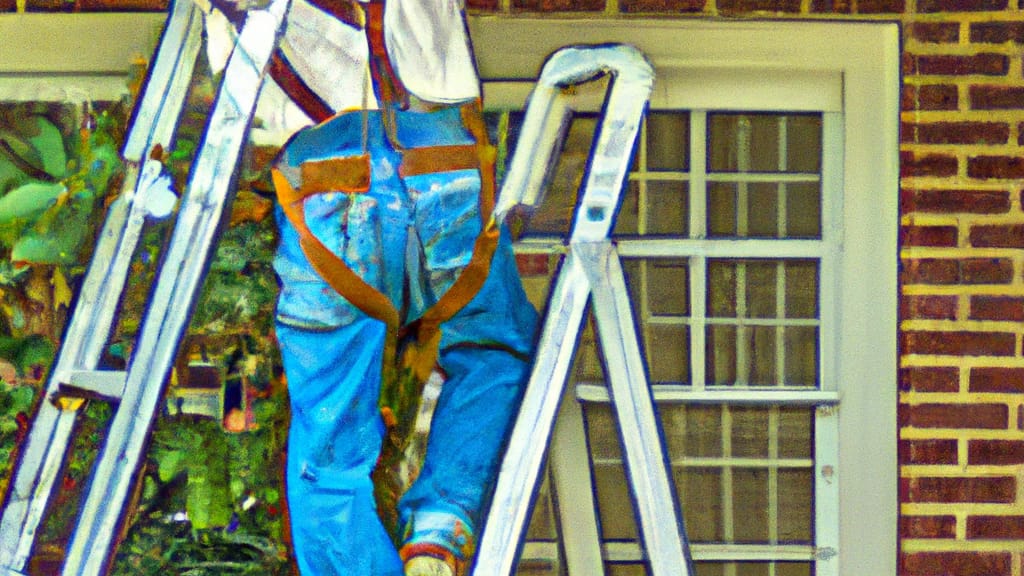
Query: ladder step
{"points": [[102, 384]]}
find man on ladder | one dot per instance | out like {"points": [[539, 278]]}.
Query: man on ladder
{"points": [[390, 262]]}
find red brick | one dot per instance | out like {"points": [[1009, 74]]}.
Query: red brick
{"points": [[997, 32], [122, 5], [928, 452], [995, 527], [937, 97], [8, 5], [558, 5], [956, 564], [995, 452], [956, 133], [929, 271], [930, 379], [928, 526], [959, 416], [928, 307], [881, 6], [831, 6], [961, 343], [984, 64], [1005, 308], [48, 6], [998, 236], [950, 271], [944, 236], [661, 5], [999, 489], [993, 167], [997, 380], [955, 201], [912, 164], [482, 5], [935, 32], [997, 97], [986, 271], [933, 6], [532, 264], [738, 6]]}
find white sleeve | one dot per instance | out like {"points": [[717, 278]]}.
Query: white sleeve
{"points": [[429, 48]]}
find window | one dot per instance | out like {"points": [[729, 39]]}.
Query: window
{"points": [[758, 237]]}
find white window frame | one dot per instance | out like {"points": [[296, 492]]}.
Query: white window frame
{"points": [[850, 72]]}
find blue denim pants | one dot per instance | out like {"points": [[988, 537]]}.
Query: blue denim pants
{"points": [[408, 237]]}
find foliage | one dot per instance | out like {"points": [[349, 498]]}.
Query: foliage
{"points": [[211, 502]]}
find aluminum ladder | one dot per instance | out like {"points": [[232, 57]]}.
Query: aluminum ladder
{"points": [[591, 271], [137, 391]]}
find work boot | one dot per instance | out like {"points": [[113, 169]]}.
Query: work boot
{"points": [[427, 566]]}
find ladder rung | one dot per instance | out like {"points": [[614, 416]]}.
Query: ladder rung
{"points": [[105, 384]]}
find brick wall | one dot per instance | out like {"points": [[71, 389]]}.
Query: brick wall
{"points": [[962, 294]]}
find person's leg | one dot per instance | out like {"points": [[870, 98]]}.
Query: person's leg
{"points": [[332, 358], [485, 355], [333, 442]]}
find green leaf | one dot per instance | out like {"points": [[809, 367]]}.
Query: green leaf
{"points": [[28, 201], [49, 145], [35, 351], [169, 464], [56, 245]]}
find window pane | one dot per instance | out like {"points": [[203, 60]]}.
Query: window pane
{"points": [[668, 141], [764, 209], [692, 431], [668, 353], [750, 505], [803, 143], [749, 432], [659, 286], [615, 503], [701, 497], [801, 356], [762, 317], [627, 221], [803, 210], [795, 506], [764, 143], [795, 438], [631, 569], [801, 289], [667, 211], [753, 568]]}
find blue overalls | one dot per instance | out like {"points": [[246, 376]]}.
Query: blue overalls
{"points": [[408, 237]]}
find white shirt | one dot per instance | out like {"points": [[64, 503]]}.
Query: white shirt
{"points": [[426, 41]]}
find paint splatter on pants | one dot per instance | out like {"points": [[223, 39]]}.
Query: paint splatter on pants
{"points": [[408, 237]]}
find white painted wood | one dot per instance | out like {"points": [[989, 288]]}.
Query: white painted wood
{"points": [[720, 394], [84, 56], [105, 384]]}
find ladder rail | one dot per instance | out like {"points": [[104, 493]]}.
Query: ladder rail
{"points": [[632, 82], [177, 288], [646, 463], [45, 448]]}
